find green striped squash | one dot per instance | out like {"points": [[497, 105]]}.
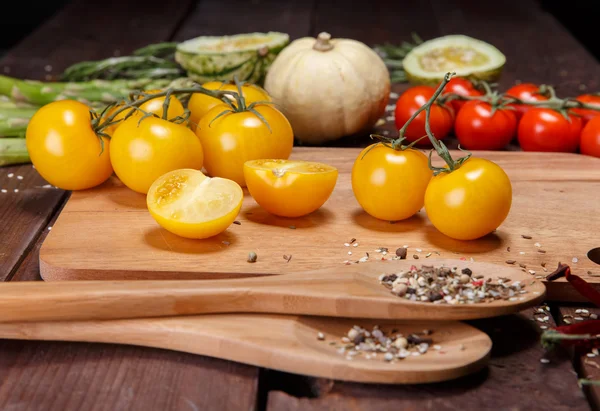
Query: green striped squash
{"points": [[222, 58]]}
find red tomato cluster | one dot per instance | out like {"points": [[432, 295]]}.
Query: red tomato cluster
{"points": [[479, 126]]}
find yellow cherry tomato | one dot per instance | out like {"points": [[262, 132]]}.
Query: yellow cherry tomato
{"points": [[154, 106], [189, 204], [140, 153], [64, 149], [289, 188], [234, 138], [390, 184], [199, 104], [471, 201]]}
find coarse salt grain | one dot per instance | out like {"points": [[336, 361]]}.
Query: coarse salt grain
{"points": [[393, 95], [544, 360], [16, 190], [4, 190], [538, 245], [10, 175], [49, 228], [575, 259], [19, 177], [349, 252], [346, 244], [522, 252]]}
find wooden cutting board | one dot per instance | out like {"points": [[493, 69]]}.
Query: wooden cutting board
{"points": [[107, 233], [286, 343]]}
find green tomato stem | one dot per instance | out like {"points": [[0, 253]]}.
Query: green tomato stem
{"points": [[438, 145]]}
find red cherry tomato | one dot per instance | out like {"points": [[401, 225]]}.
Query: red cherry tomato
{"points": [[544, 129], [525, 92], [585, 113], [590, 138], [478, 129], [462, 87], [441, 118]]}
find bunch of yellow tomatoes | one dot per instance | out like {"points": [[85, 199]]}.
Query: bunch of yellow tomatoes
{"points": [[192, 168]]}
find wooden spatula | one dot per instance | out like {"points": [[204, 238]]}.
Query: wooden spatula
{"points": [[350, 291], [286, 343]]}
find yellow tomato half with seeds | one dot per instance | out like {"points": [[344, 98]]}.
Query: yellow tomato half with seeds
{"points": [[200, 104], [289, 188], [231, 139], [189, 204], [390, 184], [142, 151], [64, 148], [471, 201]]}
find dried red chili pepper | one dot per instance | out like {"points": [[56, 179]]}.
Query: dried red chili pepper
{"points": [[582, 286], [583, 335]]}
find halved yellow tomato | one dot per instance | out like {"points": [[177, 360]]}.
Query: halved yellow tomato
{"points": [[190, 204], [289, 188], [200, 104]]}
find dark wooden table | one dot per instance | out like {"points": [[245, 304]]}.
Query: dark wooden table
{"points": [[82, 376]]}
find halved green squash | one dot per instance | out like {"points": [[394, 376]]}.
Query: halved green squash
{"points": [[221, 58], [466, 56]]}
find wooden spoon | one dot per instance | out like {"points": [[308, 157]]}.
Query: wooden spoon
{"points": [[286, 343], [350, 291]]}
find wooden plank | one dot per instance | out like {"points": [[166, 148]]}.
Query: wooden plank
{"points": [[79, 376], [93, 30], [587, 367], [537, 47], [29, 268], [375, 22], [216, 18], [23, 213], [515, 379]]}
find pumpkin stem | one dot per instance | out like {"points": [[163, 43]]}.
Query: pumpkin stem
{"points": [[323, 42]]}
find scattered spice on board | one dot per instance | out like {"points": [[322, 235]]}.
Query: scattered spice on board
{"points": [[379, 344], [449, 285], [401, 252], [237, 222], [528, 237], [252, 257], [287, 257]]}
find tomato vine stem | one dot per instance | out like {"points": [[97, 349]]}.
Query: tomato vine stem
{"points": [[502, 100], [235, 101], [438, 145]]}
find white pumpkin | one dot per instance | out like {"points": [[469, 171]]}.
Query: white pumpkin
{"points": [[328, 88]]}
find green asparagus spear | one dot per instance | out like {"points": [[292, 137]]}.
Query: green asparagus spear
{"points": [[7, 102], [154, 61], [13, 151], [14, 121], [105, 91]]}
